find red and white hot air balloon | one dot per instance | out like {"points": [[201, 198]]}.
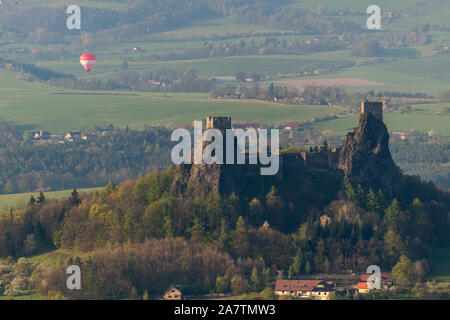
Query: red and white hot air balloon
{"points": [[88, 61]]}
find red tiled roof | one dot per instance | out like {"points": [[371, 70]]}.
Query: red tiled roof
{"points": [[298, 285], [385, 277], [362, 285]]}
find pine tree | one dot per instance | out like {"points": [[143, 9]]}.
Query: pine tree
{"points": [[392, 215], [360, 196], [350, 194], [295, 267], [255, 280], [32, 201], [223, 233], [372, 202], [240, 225], [108, 189], [307, 267], [382, 199], [41, 198], [265, 277], [74, 198], [145, 296]]}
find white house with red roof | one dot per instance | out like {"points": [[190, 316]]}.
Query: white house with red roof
{"points": [[317, 289]]}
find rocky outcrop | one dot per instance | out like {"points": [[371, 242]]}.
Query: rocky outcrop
{"points": [[203, 178], [366, 159]]}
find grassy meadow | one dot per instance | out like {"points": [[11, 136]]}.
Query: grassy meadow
{"points": [[20, 199], [394, 122]]}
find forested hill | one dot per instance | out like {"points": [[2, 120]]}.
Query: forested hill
{"points": [[309, 222], [227, 234]]}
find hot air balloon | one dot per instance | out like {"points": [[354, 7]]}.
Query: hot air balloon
{"points": [[88, 61]]}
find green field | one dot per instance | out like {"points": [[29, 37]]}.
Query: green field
{"points": [[31, 106], [218, 66], [20, 199], [394, 122]]}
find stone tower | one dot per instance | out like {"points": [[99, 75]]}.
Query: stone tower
{"points": [[221, 123], [375, 108]]}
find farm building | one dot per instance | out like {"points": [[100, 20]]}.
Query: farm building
{"points": [[173, 293], [317, 289]]}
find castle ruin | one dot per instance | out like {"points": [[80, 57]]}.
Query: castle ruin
{"points": [[364, 157], [375, 108]]}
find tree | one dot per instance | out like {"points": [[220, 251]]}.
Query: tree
{"points": [[360, 196], [239, 285], [296, 266], [393, 243], [74, 198], [223, 233], [366, 48], [267, 294], [350, 194], [307, 267], [145, 296], [41, 198], [271, 91], [421, 268], [372, 202], [240, 225], [168, 230], [392, 215], [255, 279], [275, 207], [133, 294], [265, 276], [109, 188], [32, 201], [222, 284], [403, 273]]}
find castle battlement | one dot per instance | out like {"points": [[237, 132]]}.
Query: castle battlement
{"points": [[375, 108]]}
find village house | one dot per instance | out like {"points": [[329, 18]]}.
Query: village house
{"points": [[316, 289], [173, 293], [41, 135], [291, 126], [386, 282], [71, 135]]}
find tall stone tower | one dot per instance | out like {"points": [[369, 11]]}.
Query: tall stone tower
{"points": [[375, 108], [221, 123]]}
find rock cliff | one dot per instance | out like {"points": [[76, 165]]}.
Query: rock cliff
{"points": [[365, 156]]}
